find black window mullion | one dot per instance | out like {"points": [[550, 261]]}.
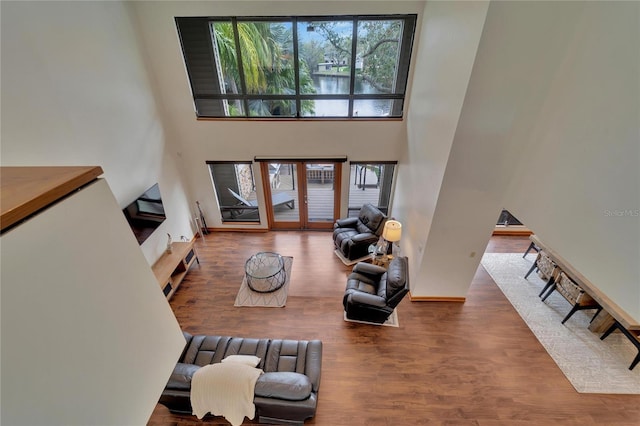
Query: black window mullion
{"points": [[354, 49], [296, 65], [243, 84]]}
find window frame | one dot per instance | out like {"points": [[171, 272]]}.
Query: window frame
{"points": [[237, 212], [385, 188], [203, 69]]}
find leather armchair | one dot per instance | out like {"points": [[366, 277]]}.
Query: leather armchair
{"points": [[373, 293], [353, 236]]}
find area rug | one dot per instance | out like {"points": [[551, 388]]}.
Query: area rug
{"points": [[590, 364], [392, 321], [276, 299], [349, 262]]}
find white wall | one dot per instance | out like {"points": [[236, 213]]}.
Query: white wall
{"points": [[586, 202], [87, 337], [554, 83], [448, 43], [200, 141], [75, 91]]}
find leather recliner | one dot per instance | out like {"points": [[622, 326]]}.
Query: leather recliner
{"points": [[352, 236], [373, 293]]}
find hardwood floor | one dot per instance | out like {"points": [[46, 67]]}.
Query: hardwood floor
{"points": [[475, 363]]}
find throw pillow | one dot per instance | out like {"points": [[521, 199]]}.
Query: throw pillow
{"points": [[250, 360]]}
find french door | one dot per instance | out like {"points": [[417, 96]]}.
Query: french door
{"points": [[302, 194]]}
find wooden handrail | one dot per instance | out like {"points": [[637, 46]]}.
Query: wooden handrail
{"points": [[26, 190]]}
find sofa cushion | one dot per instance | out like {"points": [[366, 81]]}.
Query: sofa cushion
{"points": [[181, 376], [283, 385]]}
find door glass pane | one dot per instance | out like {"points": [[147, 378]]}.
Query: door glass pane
{"points": [[370, 183], [320, 192], [377, 55], [284, 192], [324, 49]]}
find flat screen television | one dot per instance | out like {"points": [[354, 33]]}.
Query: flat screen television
{"points": [[145, 213]]}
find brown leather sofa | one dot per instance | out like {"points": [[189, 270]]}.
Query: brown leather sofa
{"points": [[352, 236], [286, 393]]}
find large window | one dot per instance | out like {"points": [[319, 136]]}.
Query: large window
{"points": [[298, 67], [370, 183], [235, 190]]}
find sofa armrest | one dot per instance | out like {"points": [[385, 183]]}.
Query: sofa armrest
{"points": [[369, 269], [313, 366], [181, 376], [366, 299], [365, 237], [349, 222]]}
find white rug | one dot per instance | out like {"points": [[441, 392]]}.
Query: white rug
{"points": [[276, 299], [392, 321], [350, 262], [590, 364]]}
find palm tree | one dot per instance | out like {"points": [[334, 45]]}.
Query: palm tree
{"points": [[255, 55], [267, 63]]}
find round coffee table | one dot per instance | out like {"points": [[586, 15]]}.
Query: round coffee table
{"points": [[265, 272]]}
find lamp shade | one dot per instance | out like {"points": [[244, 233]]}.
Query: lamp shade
{"points": [[392, 231]]}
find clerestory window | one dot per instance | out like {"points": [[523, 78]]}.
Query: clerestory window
{"points": [[298, 67]]}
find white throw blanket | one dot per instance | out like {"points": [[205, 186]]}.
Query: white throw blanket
{"points": [[225, 389]]}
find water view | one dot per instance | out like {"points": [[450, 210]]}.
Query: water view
{"points": [[333, 85]]}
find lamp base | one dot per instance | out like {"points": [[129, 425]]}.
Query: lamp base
{"points": [[382, 247]]}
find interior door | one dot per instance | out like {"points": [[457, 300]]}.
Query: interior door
{"points": [[302, 194]]}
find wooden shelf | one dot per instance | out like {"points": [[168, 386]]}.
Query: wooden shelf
{"points": [[172, 267]]}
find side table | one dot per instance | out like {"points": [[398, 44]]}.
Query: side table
{"points": [[265, 272], [377, 258]]}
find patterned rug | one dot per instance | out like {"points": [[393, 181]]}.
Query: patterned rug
{"points": [[392, 321], [350, 262], [277, 299], [590, 364]]}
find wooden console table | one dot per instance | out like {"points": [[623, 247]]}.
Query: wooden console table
{"points": [[612, 316], [608, 305], [172, 267]]}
